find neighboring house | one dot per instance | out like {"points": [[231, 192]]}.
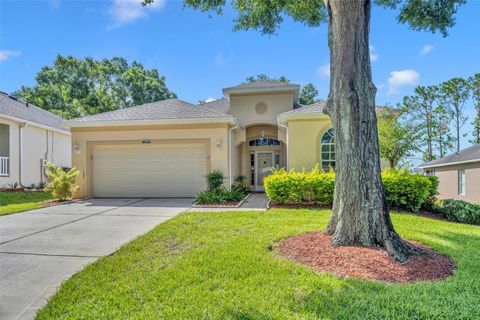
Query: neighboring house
{"points": [[166, 148], [458, 174], [30, 136]]}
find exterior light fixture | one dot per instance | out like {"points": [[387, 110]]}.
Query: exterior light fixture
{"points": [[76, 148]]}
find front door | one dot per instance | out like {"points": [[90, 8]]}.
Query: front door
{"points": [[263, 167]]}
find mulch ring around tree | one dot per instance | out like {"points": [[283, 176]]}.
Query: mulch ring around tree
{"points": [[315, 250]]}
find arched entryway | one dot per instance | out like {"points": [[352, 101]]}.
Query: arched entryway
{"points": [[264, 152]]}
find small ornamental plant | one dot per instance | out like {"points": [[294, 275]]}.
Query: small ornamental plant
{"points": [[61, 182]]}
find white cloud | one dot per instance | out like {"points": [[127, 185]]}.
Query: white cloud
{"points": [[324, 71], [126, 11], [210, 99], [408, 77], [221, 59], [373, 56], [427, 49], [7, 54], [54, 4]]}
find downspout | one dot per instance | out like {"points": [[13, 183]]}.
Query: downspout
{"points": [[286, 145], [230, 154], [20, 126]]}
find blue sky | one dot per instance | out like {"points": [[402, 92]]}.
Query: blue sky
{"points": [[199, 55]]}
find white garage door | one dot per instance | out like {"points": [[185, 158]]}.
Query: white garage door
{"points": [[149, 170]]}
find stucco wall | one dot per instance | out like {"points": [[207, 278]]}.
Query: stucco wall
{"points": [[37, 143], [216, 134], [304, 142], [243, 107], [448, 182]]}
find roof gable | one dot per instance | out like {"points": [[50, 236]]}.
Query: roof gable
{"points": [[165, 110], [15, 108], [470, 154]]}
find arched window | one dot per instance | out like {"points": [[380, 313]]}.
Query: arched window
{"points": [[263, 142], [327, 150]]}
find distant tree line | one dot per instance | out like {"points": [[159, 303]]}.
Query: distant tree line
{"points": [[430, 121]]}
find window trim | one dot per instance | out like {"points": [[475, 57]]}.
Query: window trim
{"points": [[331, 161], [269, 139]]}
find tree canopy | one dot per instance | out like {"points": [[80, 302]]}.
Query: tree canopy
{"points": [[77, 87], [264, 77], [267, 15], [308, 94], [398, 138]]}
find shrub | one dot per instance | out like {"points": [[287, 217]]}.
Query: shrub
{"points": [[240, 185], [61, 182], [431, 201], [460, 211], [216, 194], [215, 180], [315, 186], [219, 196], [406, 190]]}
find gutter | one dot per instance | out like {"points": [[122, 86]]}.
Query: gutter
{"points": [[230, 130], [87, 124], [449, 164], [38, 125], [20, 136]]}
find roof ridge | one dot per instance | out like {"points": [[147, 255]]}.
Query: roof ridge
{"points": [[211, 110]]}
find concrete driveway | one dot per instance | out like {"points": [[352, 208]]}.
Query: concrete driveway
{"points": [[41, 248]]}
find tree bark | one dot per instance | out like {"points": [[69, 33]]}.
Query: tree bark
{"points": [[360, 214]]}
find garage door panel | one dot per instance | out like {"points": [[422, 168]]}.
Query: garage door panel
{"points": [[155, 170]]}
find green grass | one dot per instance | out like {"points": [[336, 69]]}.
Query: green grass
{"points": [[224, 266], [13, 202]]}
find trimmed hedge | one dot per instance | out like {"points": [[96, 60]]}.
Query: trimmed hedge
{"points": [[315, 186], [404, 190], [459, 211]]}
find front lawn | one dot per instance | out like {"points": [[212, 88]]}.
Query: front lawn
{"points": [[13, 202], [224, 266]]}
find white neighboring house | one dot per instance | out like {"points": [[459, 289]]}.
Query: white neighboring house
{"points": [[29, 137]]}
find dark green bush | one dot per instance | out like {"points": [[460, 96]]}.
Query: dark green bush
{"points": [[215, 180], [240, 185], [460, 211], [219, 196], [430, 202], [404, 190]]}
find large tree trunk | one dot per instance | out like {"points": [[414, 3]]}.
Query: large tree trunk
{"points": [[360, 214]]}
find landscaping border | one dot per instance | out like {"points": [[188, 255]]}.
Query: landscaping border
{"points": [[220, 205]]}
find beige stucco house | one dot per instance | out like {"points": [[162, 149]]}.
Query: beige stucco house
{"points": [[458, 174], [29, 137], [166, 148]]}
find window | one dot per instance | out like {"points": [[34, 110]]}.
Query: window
{"points": [[430, 173], [461, 182], [252, 169], [327, 150], [263, 142]]}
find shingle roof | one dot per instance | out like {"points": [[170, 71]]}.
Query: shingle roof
{"points": [[316, 107], [470, 154], [220, 105], [261, 84], [13, 107], [169, 109]]}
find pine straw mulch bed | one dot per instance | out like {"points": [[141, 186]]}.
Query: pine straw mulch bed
{"points": [[315, 250]]}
